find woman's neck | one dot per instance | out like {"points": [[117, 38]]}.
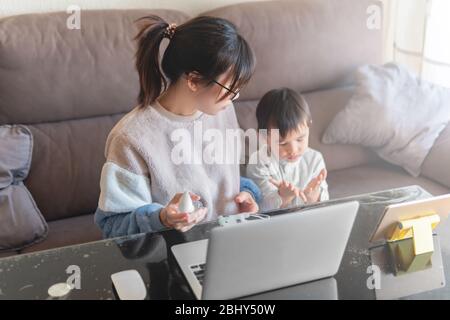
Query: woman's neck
{"points": [[177, 102]]}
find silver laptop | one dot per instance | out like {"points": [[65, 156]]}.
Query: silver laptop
{"points": [[262, 255]]}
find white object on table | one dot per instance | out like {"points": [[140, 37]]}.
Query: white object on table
{"points": [[129, 285]]}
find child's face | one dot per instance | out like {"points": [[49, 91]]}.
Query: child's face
{"points": [[293, 145]]}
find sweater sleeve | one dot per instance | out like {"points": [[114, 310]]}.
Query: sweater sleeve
{"points": [[248, 185], [143, 219], [125, 205]]}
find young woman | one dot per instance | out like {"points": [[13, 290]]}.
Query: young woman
{"points": [[203, 68]]}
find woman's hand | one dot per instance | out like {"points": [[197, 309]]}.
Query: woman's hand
{"points": [[312, 190], [182, 221], [246, 203]]}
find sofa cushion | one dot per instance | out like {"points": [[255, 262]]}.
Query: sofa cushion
{"points": [[65, 169], [376, 177], [393, 112], [304, 44], [21, 222], [324, 105], [67, 232], [90, 71], [436, 164]]}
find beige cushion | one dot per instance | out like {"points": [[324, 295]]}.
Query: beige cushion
{"points": [[393, 112], [304, 44], [68, 232], [21, 222], [324, 105], [437, 164], [376, 177]]}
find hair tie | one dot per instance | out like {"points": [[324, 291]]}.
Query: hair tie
{"points": [[170, 30]]}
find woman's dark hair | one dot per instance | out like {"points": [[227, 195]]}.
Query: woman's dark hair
{"points": [[207, 45], [283, 109]]}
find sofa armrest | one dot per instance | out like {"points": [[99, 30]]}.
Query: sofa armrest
{"points": [[436, 165]]}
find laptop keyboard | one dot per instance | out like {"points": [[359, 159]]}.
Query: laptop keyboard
{"points": [[199, 272]]}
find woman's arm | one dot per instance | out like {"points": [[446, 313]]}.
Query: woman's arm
{"points": [[143, 219], [147, 218], [247, 184], [125, 205]]}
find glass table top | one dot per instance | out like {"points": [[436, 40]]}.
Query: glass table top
{"points": [[29, 276]]}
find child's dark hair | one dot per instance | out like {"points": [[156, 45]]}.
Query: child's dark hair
{"points": [[282, 109], [207, 45]]}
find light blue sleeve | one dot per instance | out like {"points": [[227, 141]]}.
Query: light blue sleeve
{"points": [[248, 185], [146, 218], [141, 220]]}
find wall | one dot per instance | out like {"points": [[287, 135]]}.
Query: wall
{"points": [[192, 7]]}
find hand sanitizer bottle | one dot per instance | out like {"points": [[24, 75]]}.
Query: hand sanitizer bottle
{"points": [[186, 204]]}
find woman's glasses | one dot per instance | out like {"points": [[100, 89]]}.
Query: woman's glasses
{"points": [[234, 94]]}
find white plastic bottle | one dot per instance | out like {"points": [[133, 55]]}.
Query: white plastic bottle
{"points": [[186, 204]]}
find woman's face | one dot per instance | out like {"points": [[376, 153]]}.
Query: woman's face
{"points": [[213, 98]]}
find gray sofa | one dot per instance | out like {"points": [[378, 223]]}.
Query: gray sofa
{"points": [[71, 86]]}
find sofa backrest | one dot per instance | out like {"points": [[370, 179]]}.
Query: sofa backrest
{"points": [[306, 45], [310, 46], [70, 87]]}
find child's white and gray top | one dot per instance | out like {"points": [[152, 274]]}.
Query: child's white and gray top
{"points": [[262, 168]]}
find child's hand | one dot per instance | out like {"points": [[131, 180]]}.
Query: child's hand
{"points": [[312, 190], [287, 192], [182, 221]]}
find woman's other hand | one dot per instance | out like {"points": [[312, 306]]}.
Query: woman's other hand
{"points": [[246, 203]]}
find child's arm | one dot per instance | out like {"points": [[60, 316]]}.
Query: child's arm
{"points": [[261, 176], [313, 191], [324, 195], [317, 188]]}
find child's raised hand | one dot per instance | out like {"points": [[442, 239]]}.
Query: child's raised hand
{"points": [[312, 190], [287, 192], [285, 189], [182, 221]]}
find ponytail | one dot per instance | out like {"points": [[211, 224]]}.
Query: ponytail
{"points": [[151, 78], [207, 45]]}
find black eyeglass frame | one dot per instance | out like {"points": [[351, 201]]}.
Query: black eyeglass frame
{"points": [[234, 93]]}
